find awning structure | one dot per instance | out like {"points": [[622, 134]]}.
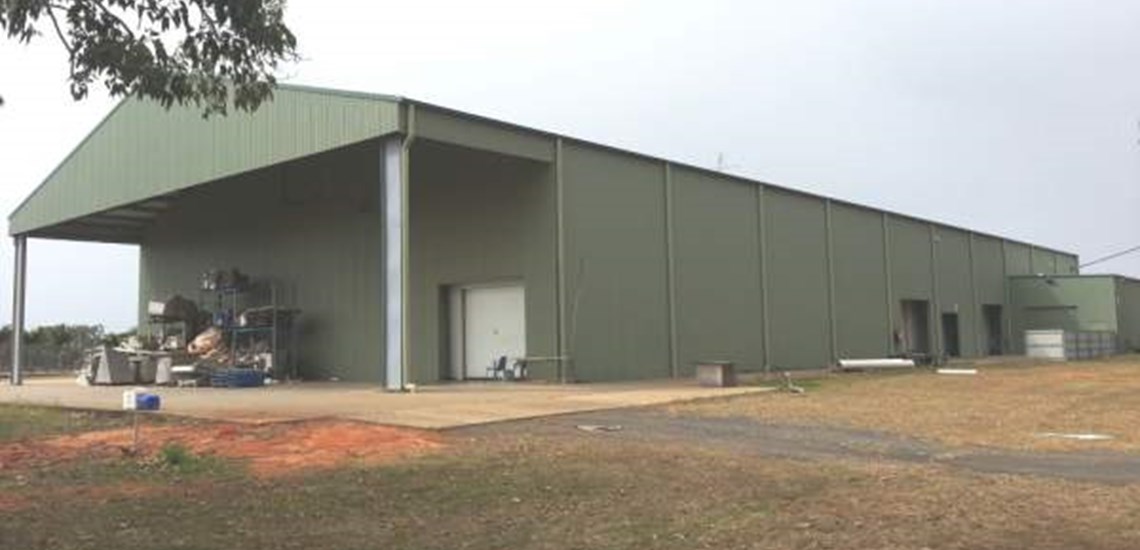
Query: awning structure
{"points": [[125, 224], [141, 160], [134, 163]]}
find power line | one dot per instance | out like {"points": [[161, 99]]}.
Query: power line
{"points": [[1110, 257]]}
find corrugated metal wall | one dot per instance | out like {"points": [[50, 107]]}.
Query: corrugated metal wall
{"points": [[863, 329], [478, 218], [716, 254], [1017, 259], [1128, 316], [732, 245], [955, 287], [797, 280], [617, 307], [1087, 303], [314, 226], [989, 270]]}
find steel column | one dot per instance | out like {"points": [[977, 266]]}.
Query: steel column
{"points": [[19, 287], [889, 284], [395, 255], [977, 316], [671, 271], [829, 245], [1007, 307], [560, 262], [935, 301], [762, 242]]}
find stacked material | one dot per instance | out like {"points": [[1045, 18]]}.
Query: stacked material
{"points": [[264, 316], [237, 378], [1064, 345], [209, 345]]}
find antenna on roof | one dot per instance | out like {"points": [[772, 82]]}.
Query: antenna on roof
{"points": [[722, 165]]}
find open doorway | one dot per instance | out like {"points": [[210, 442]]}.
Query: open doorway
{"points": [[916, 326], [992, 319], [951, 342]]}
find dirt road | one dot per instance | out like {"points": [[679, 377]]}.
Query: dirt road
{"points": [[782, 440]]}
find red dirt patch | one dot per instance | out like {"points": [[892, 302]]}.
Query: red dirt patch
{"points": [[271, 449]]}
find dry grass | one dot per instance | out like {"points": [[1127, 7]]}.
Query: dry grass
{"points": [[592, 492], [564, 490], [1003, 406]]}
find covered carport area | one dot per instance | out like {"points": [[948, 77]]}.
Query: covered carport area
{"points": [[373, 212]]}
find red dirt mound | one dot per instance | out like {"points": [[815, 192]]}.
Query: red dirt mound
{"points": [[270, 449]]}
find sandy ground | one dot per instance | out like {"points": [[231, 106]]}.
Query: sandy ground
{"points": [[436, 406]]}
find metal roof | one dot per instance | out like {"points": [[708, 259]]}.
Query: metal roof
{"points": [[141, 153]]}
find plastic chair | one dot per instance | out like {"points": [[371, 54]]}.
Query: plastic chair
{"points": [[498, 369]]}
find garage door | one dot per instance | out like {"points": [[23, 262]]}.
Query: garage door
{"points": [[494, 325]]}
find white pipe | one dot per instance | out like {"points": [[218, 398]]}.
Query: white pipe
{"points": [[885, 363], [967, 372]]}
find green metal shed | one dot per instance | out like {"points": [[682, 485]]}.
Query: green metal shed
{"points": [[1078, 303], [415, 238]]}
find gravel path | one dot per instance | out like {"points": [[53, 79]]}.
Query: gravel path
{"points": [[748, 436]]}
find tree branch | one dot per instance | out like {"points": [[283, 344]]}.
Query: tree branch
{"points": [[59, 33], [123, 24]]}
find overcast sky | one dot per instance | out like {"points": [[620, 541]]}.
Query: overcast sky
{"points": [[1017, 117]]}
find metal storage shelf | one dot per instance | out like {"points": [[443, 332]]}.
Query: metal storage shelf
{"points": [[228, 305]]}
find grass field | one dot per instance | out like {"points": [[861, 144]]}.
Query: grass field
{"points": [[1008, 406], [512, 490]]}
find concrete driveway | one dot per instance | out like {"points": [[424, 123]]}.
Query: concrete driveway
{"points": [[438, 406]]}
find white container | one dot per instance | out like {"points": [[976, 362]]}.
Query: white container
{"points": [[1060, 345], [131, 398], [1045, 344]]}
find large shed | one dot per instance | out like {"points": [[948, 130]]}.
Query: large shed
{"points": [[420, 242]]}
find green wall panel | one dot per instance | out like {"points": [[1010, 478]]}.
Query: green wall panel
{"points": [[989, 270], [955, 286], [617, 313], [1040, 303], [797, 280], [717, 259], [140, 150], [910, 261], [1017, 259], [1043, 261], [314, 226], [1067, 264], [1128, 314], [862, 327], [478, 218]]}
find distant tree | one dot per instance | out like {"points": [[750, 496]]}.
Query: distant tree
{"points": [[53, 347], [210, 53]]}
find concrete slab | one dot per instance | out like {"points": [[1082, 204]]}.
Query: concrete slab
{"points": [[438, 406]]}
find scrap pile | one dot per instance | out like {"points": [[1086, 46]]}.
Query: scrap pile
{"points": [[209, 345], [241, 338]]}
